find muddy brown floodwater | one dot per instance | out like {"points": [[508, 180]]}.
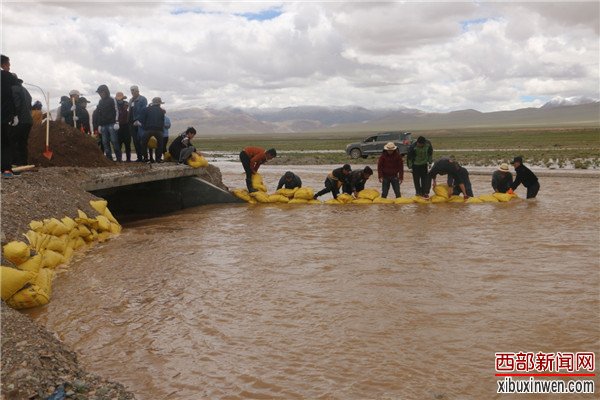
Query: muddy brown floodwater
{"points": [[336, 302]]}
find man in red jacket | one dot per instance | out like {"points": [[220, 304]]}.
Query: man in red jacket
{"points": [[390, 169], [252, 158]]}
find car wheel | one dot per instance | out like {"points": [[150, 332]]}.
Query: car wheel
{"points": [[355, 153]]}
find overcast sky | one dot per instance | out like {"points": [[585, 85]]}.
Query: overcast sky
{"points": [[440, 56]]}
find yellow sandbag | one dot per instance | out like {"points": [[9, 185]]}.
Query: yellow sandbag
{"points": [[110, 216], [381, 200], [51, 259], [91, 223], [278, 198], [306, 193], [315, 201], [504, 197], [152, 143], [16, 252], [36, 225], [79, 243], [35, 295], [69, 223], [115, 229], [361, 201], [196, 161], [403, 200], [456, 199], [33, 264], [257, 182], [420, 200], [56, 227], [167, 156], [83, 230], [103, 236], [261, 197], [289, 193], [298, 201], [241, 194], [68, 254], [103, 223], [488, 198], [98, 205], [443, 190], [438, 199], [345, 198], [370, 194], [81, 214], [332, 201], [474, 200], [56, 244], [12, 280]]}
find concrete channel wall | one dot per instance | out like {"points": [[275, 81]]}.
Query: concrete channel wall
{"points": [[157, 191]]}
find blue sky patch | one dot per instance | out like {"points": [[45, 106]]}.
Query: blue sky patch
{"points": [[467, 23], [265, 15]]}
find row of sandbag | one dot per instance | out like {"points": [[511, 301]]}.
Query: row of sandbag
{"points": [[304, 195], [53, 242]]}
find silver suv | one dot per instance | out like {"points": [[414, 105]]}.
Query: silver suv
{"points": [[373, 145]]}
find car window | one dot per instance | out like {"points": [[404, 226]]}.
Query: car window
{"points": [[370, 139]]}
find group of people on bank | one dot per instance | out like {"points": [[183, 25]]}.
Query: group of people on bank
{"points": [[390, 171]]}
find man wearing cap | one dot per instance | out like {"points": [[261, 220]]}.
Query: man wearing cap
{"points": [[69, 110], [137, 103], [502, 179], [289, 180], [153, 123], [123, 132], [418, 159], [107, 121], [526, 177], [390, 169], [448, 166], [357, 180], [335, 180], [252, 158]]}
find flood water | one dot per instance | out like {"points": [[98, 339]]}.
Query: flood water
{"points": [[336, 302]]}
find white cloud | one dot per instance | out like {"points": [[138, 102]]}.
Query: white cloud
{"points": [[435, 56]]}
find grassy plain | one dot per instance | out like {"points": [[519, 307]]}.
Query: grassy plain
{"points": [[559, 147]]}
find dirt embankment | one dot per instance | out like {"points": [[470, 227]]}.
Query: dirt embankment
{"points": [[34, 364]]}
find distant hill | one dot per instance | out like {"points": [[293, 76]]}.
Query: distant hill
{"points": [[209, 121]]}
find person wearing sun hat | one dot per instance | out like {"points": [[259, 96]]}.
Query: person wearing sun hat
{"points": [[502, 179], [526, 177], [390, 169]]}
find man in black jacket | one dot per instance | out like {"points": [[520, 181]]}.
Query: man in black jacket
{"points": [[335, 180], [289, 180], [449, 166], [357, 180], [153, 123], [107, 121], [526, 177]]}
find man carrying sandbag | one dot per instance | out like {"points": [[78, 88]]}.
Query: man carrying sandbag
{"points": [[449, 166], [252, 158], [289, 180], [181, 149], [357, 180], [502, 179], [335, 180]]}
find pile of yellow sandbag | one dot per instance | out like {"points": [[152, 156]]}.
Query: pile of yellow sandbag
{"points": [[196, 161], [53, 241]]}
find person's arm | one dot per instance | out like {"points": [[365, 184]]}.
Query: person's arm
{"points": [[299, 181], [463, 190], [401, 169], [281, 182], [256, 161], [430, 153], [517, 181], [495, 182]]}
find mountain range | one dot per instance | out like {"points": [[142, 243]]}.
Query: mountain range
{"points": [[207, 121]]}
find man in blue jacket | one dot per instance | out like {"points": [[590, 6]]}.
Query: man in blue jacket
{"points": [[137, 103], [153, 123]]}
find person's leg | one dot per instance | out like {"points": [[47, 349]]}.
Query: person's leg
{"points": [[335, 188], [424, 179], [185, 154], [114, 140], [469, 188], [144, 145], [165, 142], [127, 142], [327, 189], [385, 187], [246, 164], [159, 146], [5, 148], [416, 173], [395, 186], [105, 134], [533, 190]]}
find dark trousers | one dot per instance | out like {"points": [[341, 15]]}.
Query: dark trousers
{"points": [[159, 147], [533, 190], [468, 189], [245, 159], [385, 186], [421, 180], [19, 140], [136, 133], [5, 148], [125, 139], [165, 141], [330, 186]]}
